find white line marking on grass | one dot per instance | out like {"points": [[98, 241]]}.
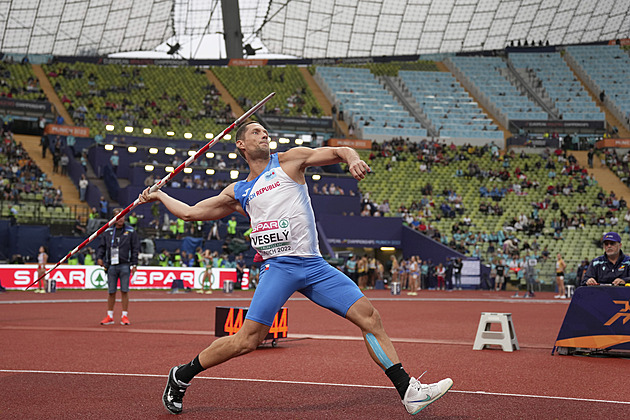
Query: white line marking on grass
{"points": [[274, 381]]}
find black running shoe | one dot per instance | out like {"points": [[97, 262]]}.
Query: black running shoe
{"points": [[174, 392]]}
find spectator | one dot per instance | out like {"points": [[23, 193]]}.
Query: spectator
{"points": [[104, 207], [114, 160], [45, 143], [64, 160], [83, 186]]}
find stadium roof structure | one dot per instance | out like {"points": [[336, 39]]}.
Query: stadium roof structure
{"points": [[356, 28], [83, 27], [309, 28]]}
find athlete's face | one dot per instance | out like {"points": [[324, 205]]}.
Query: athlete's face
{"points": [[256, 140]]}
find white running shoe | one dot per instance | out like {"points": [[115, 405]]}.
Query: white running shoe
{"points": [[419, 396]]}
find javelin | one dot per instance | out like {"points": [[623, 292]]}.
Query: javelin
{"points": [[158, 184]]}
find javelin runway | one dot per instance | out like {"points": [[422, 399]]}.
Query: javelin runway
{"points": [[57, 361]]}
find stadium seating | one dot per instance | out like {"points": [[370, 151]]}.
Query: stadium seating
{"points": [[568, 95], [502, 98], [402, 186], [19, 82], [160, 98], [452, 112], [293, 96], [605, 68], [366, 104]]}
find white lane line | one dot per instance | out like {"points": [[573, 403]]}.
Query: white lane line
{"points": [[291, 337], [249, 298], [275, 381]]}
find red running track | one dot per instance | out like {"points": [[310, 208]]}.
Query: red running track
{"points": [[56, 361]]}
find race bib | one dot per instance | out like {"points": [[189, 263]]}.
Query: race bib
{"points": [[271, 237]]}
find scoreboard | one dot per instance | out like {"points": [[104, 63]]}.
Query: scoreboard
{"points": [[228, 320]]}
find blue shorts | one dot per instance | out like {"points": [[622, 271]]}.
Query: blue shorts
{"points": [[313, 277]]}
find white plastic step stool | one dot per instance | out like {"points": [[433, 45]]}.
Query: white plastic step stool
{"points": [[506, 338]]}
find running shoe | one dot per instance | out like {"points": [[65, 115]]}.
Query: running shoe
{"points": [[174, 392], [108, 320], [419, 396], [124, 320]]}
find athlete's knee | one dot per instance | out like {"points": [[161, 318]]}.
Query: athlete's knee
{"points": [[365, 316], [248, 339]]}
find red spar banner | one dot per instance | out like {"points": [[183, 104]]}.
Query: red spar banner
{"points": [[94, 277]]}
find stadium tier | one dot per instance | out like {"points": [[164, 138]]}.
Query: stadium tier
{"points": [[605, 69], [418, 181], [18, 81], [249, 85], [451, 110], [568, 96], [363, 102], [162, 99], [484, 77]]}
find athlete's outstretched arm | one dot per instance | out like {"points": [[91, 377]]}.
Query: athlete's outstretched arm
{"points": [[209, 209], [303, 157]]}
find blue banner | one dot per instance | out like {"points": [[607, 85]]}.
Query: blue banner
{"points": [[598, 318]]}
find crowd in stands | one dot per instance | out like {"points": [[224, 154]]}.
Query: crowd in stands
{"points": [[618, 165], [20, 175], [130, 96], [17, 88], [502, 245]]}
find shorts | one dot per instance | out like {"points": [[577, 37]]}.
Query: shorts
{"points": [[311, 276], [115, 272], [560, 274]]}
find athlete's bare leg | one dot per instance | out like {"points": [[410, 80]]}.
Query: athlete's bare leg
{"points": [[246, 340], [363, 314]]}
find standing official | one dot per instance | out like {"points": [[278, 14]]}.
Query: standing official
{"points": [[118, 254]]}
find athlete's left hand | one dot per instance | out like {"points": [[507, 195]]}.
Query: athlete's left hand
{"points": [[359, 169]]}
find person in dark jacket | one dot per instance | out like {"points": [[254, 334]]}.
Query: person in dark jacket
{"points": [[611, 268], [118, 255]]}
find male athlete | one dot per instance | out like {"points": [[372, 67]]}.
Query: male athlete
{"points": [[275, 197]]}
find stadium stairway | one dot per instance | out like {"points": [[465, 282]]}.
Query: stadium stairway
{"points": [[70, 192], [225, 94], [506, 133], [604, 176], [611, 120], [48, 89], [323, 102]]}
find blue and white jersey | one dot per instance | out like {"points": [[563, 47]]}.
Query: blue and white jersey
{"points": [[281, 214]]}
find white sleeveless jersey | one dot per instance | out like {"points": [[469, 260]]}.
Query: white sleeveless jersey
{"points": [[281, 214]]}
